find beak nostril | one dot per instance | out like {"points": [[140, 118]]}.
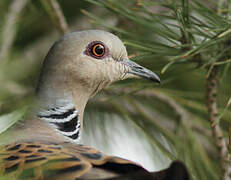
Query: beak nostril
{"points": [[138, 67]]}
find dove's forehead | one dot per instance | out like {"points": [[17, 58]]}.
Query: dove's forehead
{"points": [[82, 38], [89, 35]]}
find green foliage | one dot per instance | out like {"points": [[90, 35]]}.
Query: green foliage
{"points": [[184, 40], [181, 40]]}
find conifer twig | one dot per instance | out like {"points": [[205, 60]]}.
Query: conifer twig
{"points": [[230, 137], [55, 12], [216, 129], [10, 27]]}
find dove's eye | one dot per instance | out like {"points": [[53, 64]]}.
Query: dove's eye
{"points": [[96, 49]]}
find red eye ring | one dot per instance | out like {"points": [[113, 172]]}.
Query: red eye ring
{"points": [[98, 50]]}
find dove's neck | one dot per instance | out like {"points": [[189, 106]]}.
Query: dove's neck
{"points": [[62, 106]]}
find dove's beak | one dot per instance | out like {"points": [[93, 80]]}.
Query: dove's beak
{"points": [[140, 71]]}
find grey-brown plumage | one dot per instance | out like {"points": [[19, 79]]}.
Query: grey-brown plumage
{"points": [[45, 146]]}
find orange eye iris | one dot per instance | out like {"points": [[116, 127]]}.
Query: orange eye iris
{"points": [[98, 50]]}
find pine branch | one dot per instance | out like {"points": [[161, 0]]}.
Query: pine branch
{"points": [[55, 12], [216, 129], [230, 137], [10, 27]]}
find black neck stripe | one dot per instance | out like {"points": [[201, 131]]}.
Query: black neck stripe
{"points": [[74, 136], [68, 126], [59, 116]]}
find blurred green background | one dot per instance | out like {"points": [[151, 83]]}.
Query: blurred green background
{"points": [[183, 41]]}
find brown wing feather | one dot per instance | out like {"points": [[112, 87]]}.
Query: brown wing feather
{"points": [[40, 161], [37, 161], [94, 156], [98, 160]]}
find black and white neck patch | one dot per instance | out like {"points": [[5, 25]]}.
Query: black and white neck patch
{"points": [[64, 119]]}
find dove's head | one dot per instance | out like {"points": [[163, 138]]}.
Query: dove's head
{"points": [[90, 60], [75, 69]]}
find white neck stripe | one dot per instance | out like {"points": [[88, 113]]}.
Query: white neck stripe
{"points": [[63, 119]]}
